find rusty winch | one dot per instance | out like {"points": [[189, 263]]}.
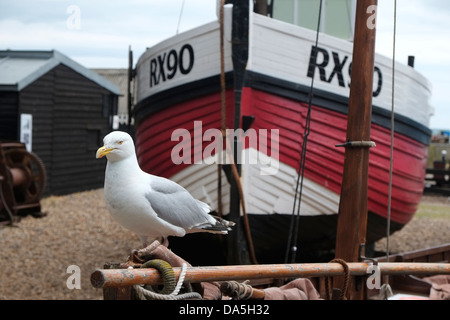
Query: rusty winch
{"points": [[22, 182]]}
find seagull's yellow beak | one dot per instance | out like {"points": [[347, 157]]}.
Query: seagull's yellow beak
{"points": [[103, 151]]}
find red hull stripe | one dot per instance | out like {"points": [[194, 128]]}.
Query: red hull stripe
{"points": [[324, 162]]}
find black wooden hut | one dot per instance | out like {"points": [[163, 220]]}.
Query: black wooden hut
{"points": [[67, 108]]}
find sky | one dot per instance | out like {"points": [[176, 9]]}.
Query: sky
{"points": [[97, 33]]}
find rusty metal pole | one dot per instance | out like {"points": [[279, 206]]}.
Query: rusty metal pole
{"points": [[105, 278], [352, 217]]}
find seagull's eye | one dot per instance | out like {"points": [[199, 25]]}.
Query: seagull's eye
{"points": [[120, 142]]}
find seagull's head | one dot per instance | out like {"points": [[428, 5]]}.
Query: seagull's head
{"points": [[117, 145]]}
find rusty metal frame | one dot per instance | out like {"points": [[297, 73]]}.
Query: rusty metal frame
{"points": [[25, 176]]}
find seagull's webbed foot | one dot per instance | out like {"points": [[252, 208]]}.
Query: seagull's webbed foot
{"points": [[138, 256], [134, 260], [135, 256]]}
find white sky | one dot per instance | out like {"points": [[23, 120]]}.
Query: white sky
{"points": [[107, 28]]}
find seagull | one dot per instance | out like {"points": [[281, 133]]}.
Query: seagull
{"points": [[150, 206]]}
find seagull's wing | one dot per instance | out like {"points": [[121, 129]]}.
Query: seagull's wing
{"points": [[175, 205]]}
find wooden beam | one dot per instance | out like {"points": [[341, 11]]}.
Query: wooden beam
{"points": [[352, 217]]}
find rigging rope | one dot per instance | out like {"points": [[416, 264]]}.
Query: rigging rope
{"points": [[392, 132], [223, 107], [293, 229], [179, 18], [388, 225]]}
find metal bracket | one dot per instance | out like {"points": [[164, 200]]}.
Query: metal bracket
{"points": [[360, 144], [362, 257]]}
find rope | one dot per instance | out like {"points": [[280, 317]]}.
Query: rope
{"points": [[388, 226], [293, 232], [223, 107], [237, 290], [179, 18], [165, 269], [169, 292], [346, 280]]}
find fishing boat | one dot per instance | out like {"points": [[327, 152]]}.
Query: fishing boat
{"points": [[275, 79]]}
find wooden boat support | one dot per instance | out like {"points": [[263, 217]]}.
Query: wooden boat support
{"points": [[104, 278]]}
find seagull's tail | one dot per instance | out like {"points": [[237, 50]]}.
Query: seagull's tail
{"points": [[204, 206], [225, 223], [215, 224], [221, 226]]}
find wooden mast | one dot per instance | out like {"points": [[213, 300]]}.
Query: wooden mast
{"points": [[352, 217]]}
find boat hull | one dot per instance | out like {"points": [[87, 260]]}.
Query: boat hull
{"points": [[177, 119], [269, 198]]}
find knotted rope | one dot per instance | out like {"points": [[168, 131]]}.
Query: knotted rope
{"points": [[170, 289], [237, 290]]}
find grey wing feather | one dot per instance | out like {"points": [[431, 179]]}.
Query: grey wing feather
{"points": [[175, 204]]}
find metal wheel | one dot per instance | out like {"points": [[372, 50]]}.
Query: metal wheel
{"points": [[34, 169]]}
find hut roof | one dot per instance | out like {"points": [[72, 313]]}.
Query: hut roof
{"points": [[18, 69]]}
